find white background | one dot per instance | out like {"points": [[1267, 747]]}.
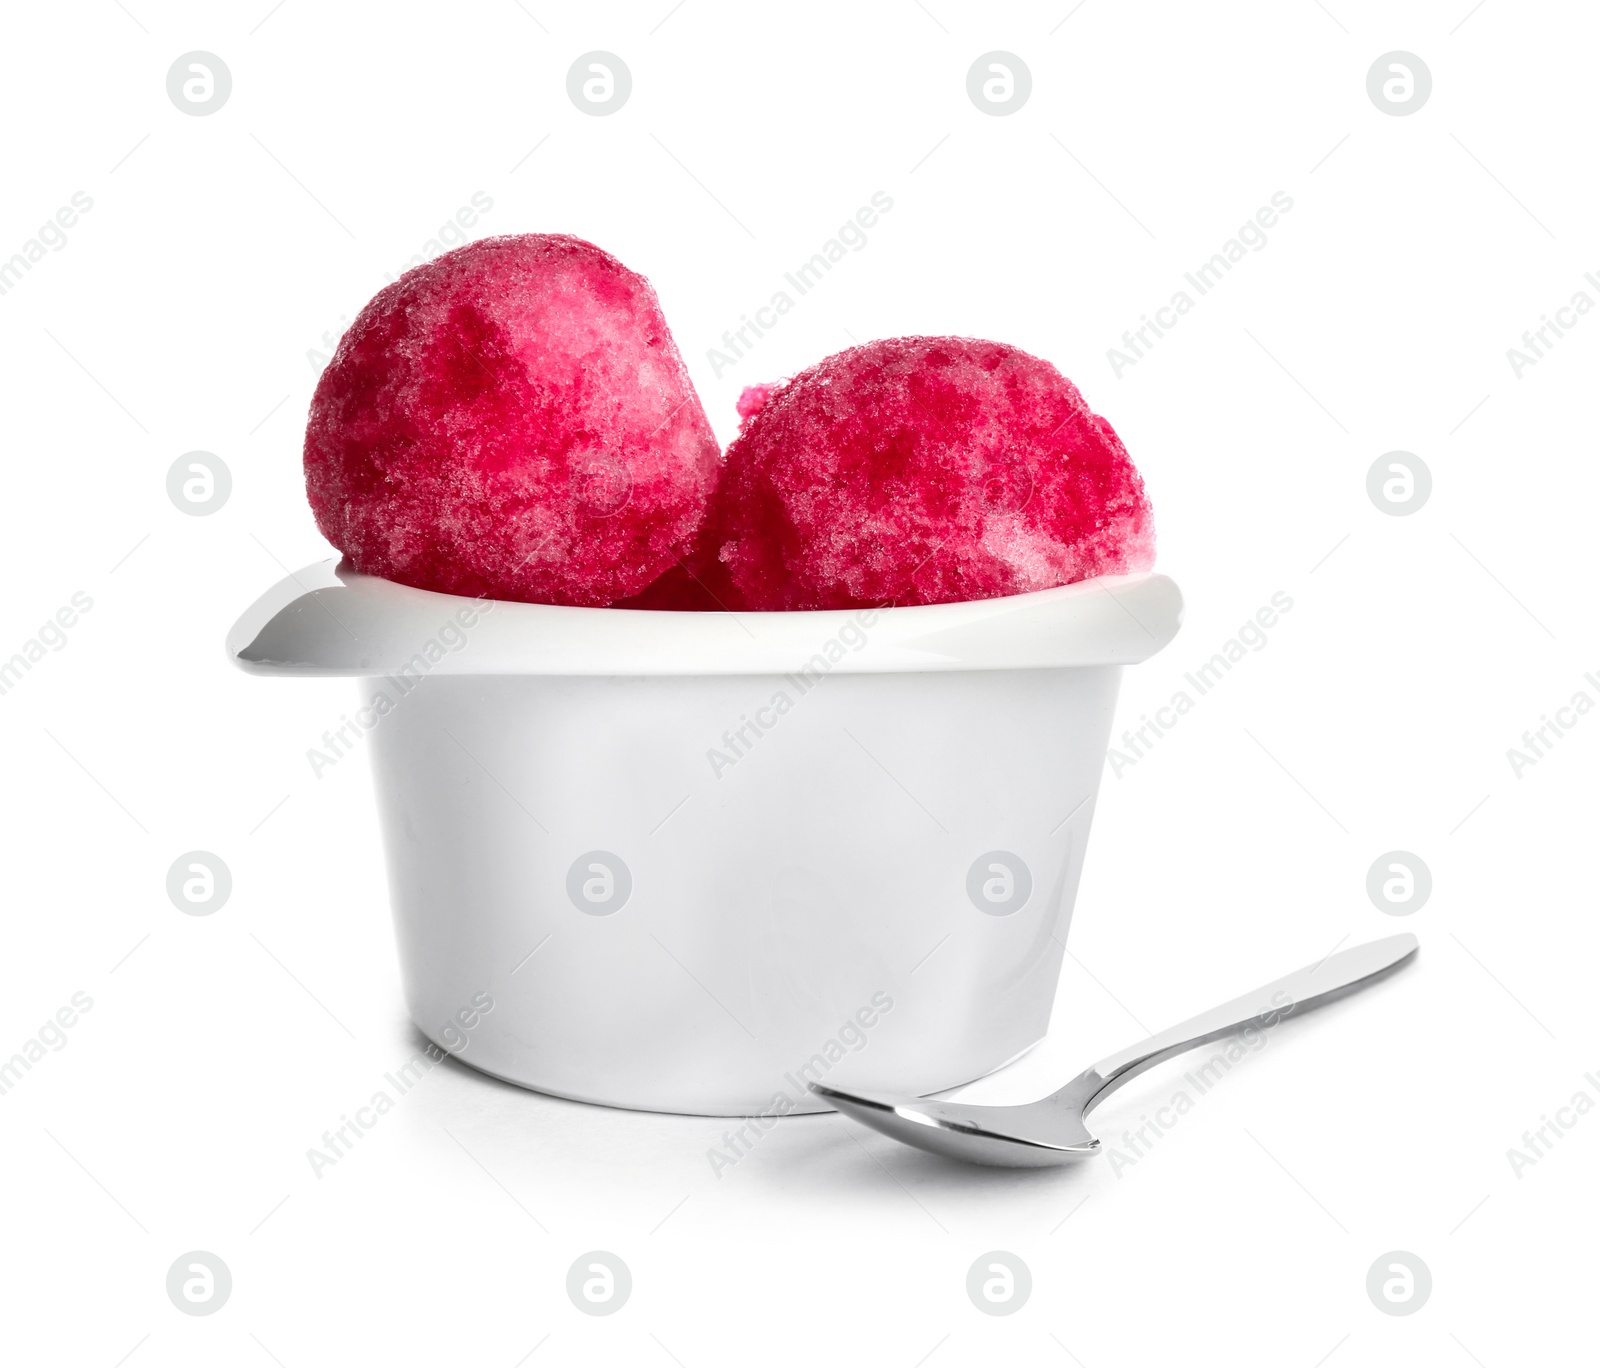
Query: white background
{"points": [[220, 250]]}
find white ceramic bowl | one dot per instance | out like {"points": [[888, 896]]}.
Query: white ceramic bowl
{"points": [[693, 860]]}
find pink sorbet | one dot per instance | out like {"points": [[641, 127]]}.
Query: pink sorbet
{"points": [[511, 420], [920, 470]]}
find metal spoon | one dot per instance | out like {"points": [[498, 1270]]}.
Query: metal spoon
{"points": [[1051, 1131]]}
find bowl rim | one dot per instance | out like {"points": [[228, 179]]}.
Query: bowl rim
{"points": [[329, 620]]}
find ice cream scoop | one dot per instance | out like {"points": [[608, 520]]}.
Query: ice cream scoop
{"points": [[920, 470], [511, 420]]}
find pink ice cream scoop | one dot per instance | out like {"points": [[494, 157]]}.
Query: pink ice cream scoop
{"points": [[511, 420], [920, 470]]}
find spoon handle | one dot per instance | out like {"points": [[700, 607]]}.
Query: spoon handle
{"points": [[1330, 978]]}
